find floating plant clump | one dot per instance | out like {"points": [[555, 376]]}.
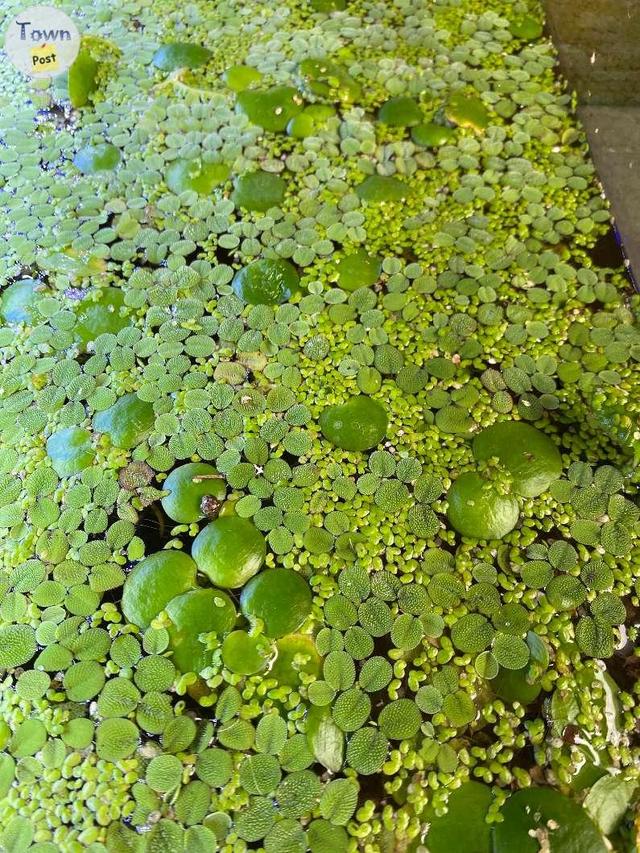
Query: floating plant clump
{"points": [[318, 441]]}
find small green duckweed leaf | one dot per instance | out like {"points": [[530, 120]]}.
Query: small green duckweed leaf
{"points": [[102, 157], [196, 612], [175, 55], [400, 112], [195, 176], [196, 490], [266, 282], [271, 109], [377, 189], [258, 191], [477, 510], [229, 550], [359, 424], [153, 582]]}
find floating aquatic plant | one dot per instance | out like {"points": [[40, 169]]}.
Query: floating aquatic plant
{"points": [[319, 427]]}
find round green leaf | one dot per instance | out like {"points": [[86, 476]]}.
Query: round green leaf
{"points": [[478, 511], [536, 816]]}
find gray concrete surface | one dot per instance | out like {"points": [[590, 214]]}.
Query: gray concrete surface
{"points": [[598, 42], [599, 46], [614, 138]]}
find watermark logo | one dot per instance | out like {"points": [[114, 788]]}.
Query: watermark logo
{"points": [[42, 41]]}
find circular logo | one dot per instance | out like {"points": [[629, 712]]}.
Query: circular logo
{"points": [[42, 41]]}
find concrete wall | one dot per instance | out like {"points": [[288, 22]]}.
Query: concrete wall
{"points": [[599, 46]]}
